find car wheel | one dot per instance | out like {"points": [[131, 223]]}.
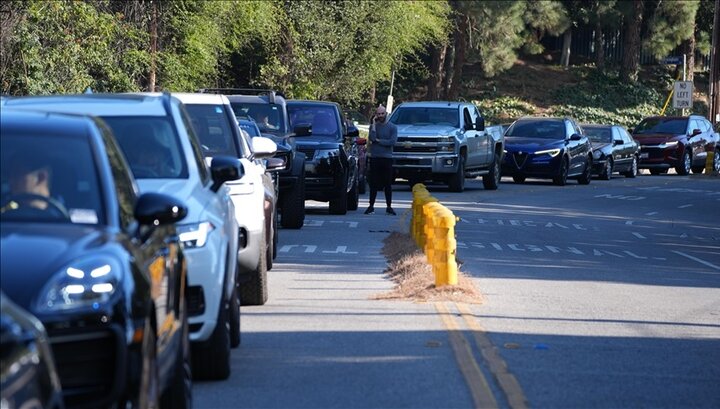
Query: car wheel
{"points": [[276, 237], [179, 392], [211, 359], [586, 176], [456, 183], [633, 171], [353, 198], [293, 206], [491, 181], [716, 159], [149, 391], [519, 178], [235, 317], [255, 291], [607, 170], [683, 168], [561, 178]]}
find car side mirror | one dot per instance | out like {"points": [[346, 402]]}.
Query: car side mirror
{"points": [[303, 130], [360, 141], [575, 137], [617, 142], [352, 132], [695, 132], [263, 147], [274, 164], [224, 169], [158, 209], [480, 123]]}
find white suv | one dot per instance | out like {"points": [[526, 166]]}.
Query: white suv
{"points": [[218, 131], [156, 136]]}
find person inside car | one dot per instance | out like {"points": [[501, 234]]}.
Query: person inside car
{"points": [[28, 180]]}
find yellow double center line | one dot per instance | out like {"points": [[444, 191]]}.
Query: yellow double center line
{"points": [[479, 387]]}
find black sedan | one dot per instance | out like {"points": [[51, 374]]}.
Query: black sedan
{"points": [[614, 150], [548, 148], [99, 266], [28, 378]]}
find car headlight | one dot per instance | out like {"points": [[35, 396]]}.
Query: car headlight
{"points": [[597, 154], [195, 234], [87, 282], [670, 144], [552, 152]]}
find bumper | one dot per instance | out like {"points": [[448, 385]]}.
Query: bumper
{"points": [[250, 215], [206, 269], [249, 256], [530, 165], [598, 166], [417, 164], [660, 158]]}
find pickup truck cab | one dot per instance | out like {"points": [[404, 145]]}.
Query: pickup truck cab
{"points": [[447, 142]]}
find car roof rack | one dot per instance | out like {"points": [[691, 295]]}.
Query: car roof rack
{"points": [[271, 93]]}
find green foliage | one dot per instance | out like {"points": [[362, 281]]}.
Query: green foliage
{"points": [[503, 109], [670, 25]]}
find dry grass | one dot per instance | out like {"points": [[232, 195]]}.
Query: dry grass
{"points": [[414, 278]]}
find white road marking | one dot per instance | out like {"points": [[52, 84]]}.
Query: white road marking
{"points": [[651, 214], [340, 249], [638, 235], [629, 222], [684, 206], [680, 253]]}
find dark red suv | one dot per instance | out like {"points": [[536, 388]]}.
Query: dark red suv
{"points": [[680, 142]]}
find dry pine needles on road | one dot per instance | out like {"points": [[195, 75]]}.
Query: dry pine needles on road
{"points": [[414, 278]]}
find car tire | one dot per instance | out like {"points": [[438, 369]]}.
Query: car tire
{"points": [[149, 390], [561, 178], [683, 168], [586, 177], [211, 359], [519, 178], [716, 159], [179, 391], [491, 181], [339, 205], [353, 196], [255, 290], [607, 170], [456, 183], [276, 238], [633, 171], [234, 317], [293, 205]]}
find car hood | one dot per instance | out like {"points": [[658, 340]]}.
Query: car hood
{"points": [[426, 130], [180, 189], [518, 143], [33, 252], [653, 139], [598, 146], [317, 143]]}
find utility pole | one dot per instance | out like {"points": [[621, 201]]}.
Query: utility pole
{"points": [[714, 111]]}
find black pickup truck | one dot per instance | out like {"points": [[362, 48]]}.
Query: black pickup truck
{"points": [[330, 148]]}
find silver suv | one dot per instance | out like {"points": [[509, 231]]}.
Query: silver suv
{"points": [[157, 138]]}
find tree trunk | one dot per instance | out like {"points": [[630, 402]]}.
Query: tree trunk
{"points": [[689, 50], [565, 56], [599, 46], [437, 72], [631, 43], [460, 56], [153, 48], [449, 71]]}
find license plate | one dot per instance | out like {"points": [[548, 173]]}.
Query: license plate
{"points": [[643, 156]]}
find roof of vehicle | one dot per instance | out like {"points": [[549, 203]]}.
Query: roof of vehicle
{"points": [[598, 125], [541, 118], [674, 117], [61, 124], [196, 98], [255, 99], [138, 104], [434, 104], [312, 102]]}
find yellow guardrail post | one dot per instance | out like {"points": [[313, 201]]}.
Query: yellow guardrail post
{"points": [[709, 162]]}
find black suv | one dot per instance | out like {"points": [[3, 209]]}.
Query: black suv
{"points": [[331, 167], [269, 110]]}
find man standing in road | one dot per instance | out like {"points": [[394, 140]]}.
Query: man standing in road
{"points": [[383, 136]]}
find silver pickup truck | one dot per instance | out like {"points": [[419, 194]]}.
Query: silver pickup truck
{"points": [[446, 142]]}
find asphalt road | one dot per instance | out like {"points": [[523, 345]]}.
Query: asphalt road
{"points": [[606, 295]]}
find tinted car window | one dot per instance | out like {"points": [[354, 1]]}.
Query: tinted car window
{"points": [[675, 126], [322, 119], [124, 184], [537, 129], [151, 146], [210, 123], [425, 116], [195, 146], [66, 163], [598, 134], [267, 116]]}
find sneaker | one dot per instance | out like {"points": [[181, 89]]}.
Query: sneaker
{"points": [[390, 211], [370, 210]]}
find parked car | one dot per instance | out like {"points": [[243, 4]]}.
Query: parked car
{"points": [[269, 110], [110, 282], [253, 195], [331, 166], [679, 142], [614, 150], [28, 376], [155, 134], [549, 148]]}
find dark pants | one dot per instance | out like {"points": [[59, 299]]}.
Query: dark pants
{"points": [[381, 177]]}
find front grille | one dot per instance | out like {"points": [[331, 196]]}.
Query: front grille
{"points": [[309, 152], [90, 366], [520, 159], [415, 149], [195, 300]]}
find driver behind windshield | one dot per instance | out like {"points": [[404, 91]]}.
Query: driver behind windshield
{"points": [[29, 182]]}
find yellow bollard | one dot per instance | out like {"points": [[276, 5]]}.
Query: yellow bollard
{"points": [[709, 162]]}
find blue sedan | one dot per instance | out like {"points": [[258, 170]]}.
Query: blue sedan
{"points": [[547, 148]]}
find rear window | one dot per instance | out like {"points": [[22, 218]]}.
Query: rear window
{"points": [[268, 117], [151, 146], [213, 128], [675, 126], [598, 134], [322, 118], [546, 129]]}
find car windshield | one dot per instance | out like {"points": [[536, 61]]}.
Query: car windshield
{"points": [[151, 146], [49, 178], [212, 127], [322, 118], [250, 127], [268, 117], [598, 134], [425, 116], [546, 129], [673, 126]]}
